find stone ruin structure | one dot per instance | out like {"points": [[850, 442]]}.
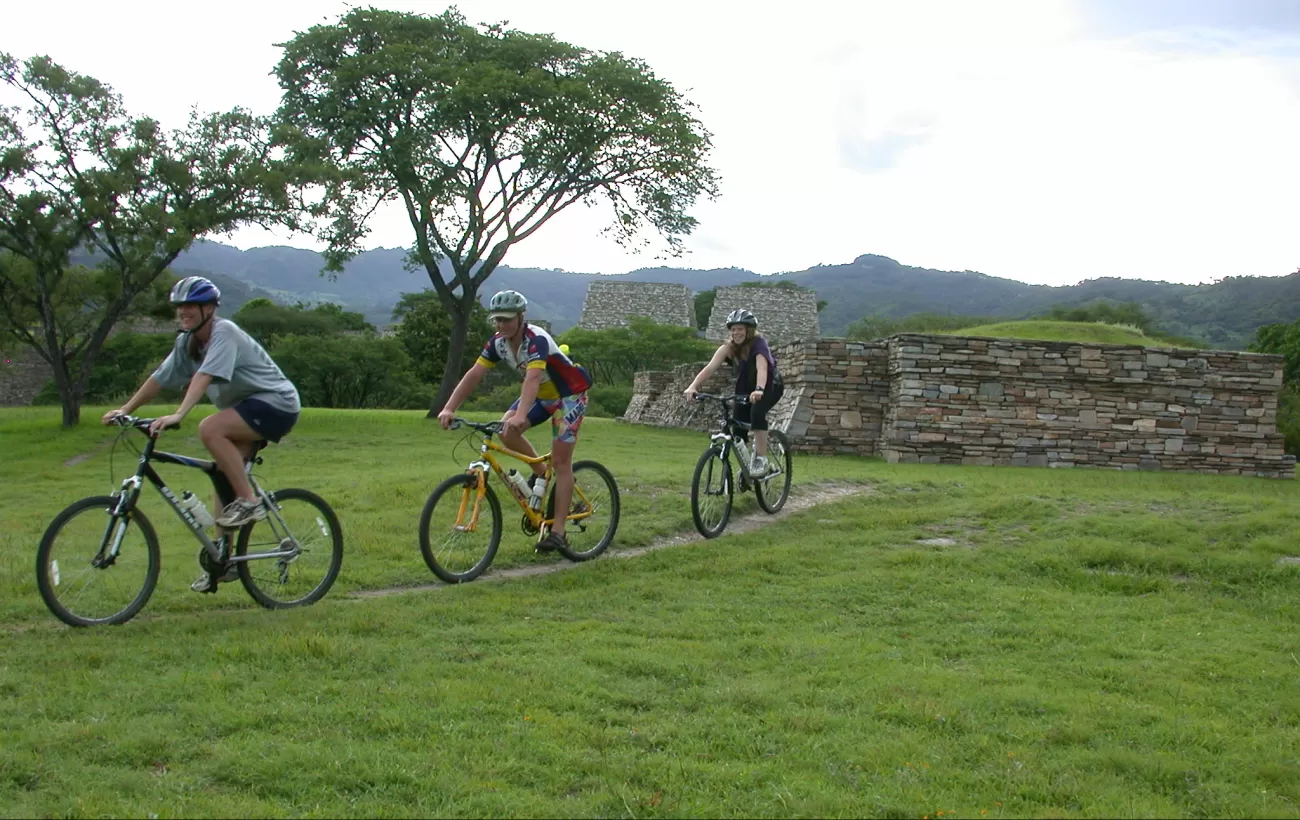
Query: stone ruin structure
{"points": [[940, 399], [784, 314], [610, 304]]}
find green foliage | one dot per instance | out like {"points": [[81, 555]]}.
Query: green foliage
{"points": [[614, 355], [77, 172], [608, 401], [425, 329], [484, 134], [268, 322], [704, 307], [879, 327], [493, 400], [1283, 340], [1053, 331], [126, 360], [1288, 418], [1128, 313], [350, 371]]}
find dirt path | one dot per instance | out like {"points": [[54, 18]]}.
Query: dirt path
{"points": [[807, 499]]}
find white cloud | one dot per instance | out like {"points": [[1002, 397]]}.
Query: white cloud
{"points": [[1015, 137]]}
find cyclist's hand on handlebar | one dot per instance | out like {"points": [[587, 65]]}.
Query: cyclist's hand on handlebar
{"points": [[445, 418], [111, 416], [163, 422], [690, 393]]}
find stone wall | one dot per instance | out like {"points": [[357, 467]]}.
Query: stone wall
{"points": [[971, 400], [22, 375], [784, 314], [611, 304], [24, 372]]}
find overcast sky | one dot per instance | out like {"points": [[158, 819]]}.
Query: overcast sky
{"points": [[1048, 141]]}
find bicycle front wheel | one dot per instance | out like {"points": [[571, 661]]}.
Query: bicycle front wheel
{"points": [[712, 493], [305, 533], [593, 512], [95, 568], [774, 488], [459, 536]]}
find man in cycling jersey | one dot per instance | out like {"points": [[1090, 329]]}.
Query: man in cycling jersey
{"points": [[553, 387]]}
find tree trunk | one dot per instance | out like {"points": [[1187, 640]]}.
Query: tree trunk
{"points": [[455, 353], [69, 396]]}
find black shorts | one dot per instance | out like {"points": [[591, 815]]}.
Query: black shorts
{"points": [[270, 423]]}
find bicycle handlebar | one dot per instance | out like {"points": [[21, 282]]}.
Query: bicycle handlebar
{"points": [[490, 428], [142, 424], [738, 398]]}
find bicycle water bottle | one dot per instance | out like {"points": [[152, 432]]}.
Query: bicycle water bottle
{"points": [[520, 483], [539, 493], [191, 502], [743, 449]]}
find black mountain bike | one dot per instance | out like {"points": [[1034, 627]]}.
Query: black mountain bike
{"points": [[713, 487], [98, 561]]}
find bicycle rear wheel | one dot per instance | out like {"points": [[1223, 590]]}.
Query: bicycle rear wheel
{"points": [[80, 582], [593, 512], [712, 493], [303, 526], [774, 488], [457, 544]]}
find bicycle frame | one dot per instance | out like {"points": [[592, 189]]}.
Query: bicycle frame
{"points": [[129, 495], [487, 461], [725, 436]]}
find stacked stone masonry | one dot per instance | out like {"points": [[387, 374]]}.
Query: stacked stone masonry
{"points": [[971, 400], [23, 373], [784, 314], [612, 304]]}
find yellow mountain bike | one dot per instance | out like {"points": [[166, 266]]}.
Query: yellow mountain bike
{"points": [[461, 526]]}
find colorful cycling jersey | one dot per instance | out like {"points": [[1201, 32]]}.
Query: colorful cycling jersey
{"points": [[538, 351]]}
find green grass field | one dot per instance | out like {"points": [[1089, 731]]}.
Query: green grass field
{"points": [[1056, 331], [953, 642]]}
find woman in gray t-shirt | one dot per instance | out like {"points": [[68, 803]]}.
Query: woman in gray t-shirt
{"points": [[254, 400]]}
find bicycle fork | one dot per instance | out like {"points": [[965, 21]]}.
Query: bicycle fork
{"points": [[479, 471]]}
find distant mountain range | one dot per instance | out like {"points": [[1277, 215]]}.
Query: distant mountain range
{"points": [[1224, 314]]}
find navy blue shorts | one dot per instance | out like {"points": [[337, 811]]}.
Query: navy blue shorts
{"points": [[270, 423]]}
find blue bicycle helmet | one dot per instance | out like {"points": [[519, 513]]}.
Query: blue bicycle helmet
{"points": [[195, 290]]}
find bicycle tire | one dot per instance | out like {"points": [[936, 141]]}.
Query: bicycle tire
{"points": [[600, 491], [55, 583], [282, 591], [712, 488], [440, 522], [773, 490]]}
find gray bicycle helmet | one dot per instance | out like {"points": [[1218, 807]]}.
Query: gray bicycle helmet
{"points": [[195, 290], [740, 316], [507, 304]]}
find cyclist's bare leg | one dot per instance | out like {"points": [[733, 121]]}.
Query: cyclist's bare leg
{"points": [[218, 503], [562, 464], [230, 440], [760, 442], [518, 442]]}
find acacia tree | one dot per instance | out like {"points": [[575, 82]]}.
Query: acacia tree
{"points": [[78, 175], [483, 134]]}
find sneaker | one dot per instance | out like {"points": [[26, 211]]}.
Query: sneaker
{"points": [[758, 467], [204, 582], [552, 542], [240, 512]]}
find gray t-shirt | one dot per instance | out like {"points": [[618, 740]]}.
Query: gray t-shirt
{"points": [[240, 369]]}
